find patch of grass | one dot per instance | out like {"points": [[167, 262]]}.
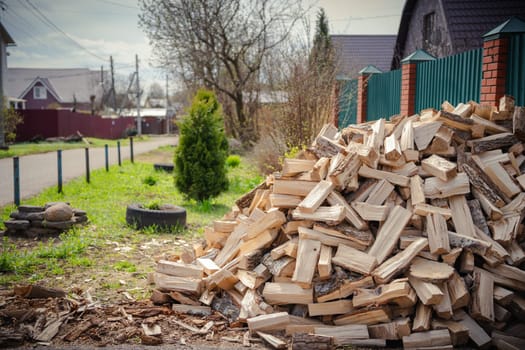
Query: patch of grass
{"points": [[233, 161], [125, 266], [149, 180]]}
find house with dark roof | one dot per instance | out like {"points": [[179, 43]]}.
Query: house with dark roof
{"points": [[448, 27], [75, 88], [357, 51]]}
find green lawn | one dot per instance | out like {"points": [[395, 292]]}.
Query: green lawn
{"points": [[25, 148], [89, 251]]}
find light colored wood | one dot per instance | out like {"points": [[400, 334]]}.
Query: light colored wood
{"points": [[320, 169], [458, 292], [262, 240], [422, 318], [307, 257], [274, 341], [397, 263], [516, 254], [388, 234], [505, 281], [442, 139], [223, 279], [375, 139], [179, 284], [411, 155], [430, 338], [458, 332], [364, 316], [408, 169], [224, 225], [504, 231], [287, 248], [464, 110], [392, 148], [452, 256], [368, 155], [294, 166], [316, 196], [346, 289], [380, 193], [439, 167], [455, 121], [346, 231], [324, 265], [269, 322], [428, 293], [354, 260], [214, 238], [383, 294], [343, 334], [179, 269], [342, 170], [335, 198], [507, 271], [293, 187], [416, 190], [406, 141], [331, 239], [461, 216], [502, 179], [521, 181], [434, 187], [330, 308], [292, 227], [424, 209], [444, 309], [391, 330], [272, 219], [285, 201], [370, 212], [473, 244], [503, 296], [334, 214], [209, 266], [286, 293], [437, 234], [395, 179], [476, 333], [424, 133], [430, 271]]}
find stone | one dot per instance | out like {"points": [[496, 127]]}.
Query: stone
{"points": [[50, 204], [58, 212], [59, 225], [30, 208], [16, 225], [33, 232], [35, 216]]}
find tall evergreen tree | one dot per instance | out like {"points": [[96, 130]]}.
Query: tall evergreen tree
{"points": [[200, 171], [322, 50]]}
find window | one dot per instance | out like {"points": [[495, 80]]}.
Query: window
{"points": [[428, 29], [39, 93]]}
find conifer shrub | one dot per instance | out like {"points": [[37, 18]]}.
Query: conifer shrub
{"points": [[200, 171]]}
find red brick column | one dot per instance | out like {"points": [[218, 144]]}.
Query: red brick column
{"points": [[408, 88], [494, 70], [362, 97]]}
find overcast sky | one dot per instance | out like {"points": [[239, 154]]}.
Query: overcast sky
{"points": [[84, 33]]}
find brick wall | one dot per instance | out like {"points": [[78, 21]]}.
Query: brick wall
{"points": [[408, 88], [493, 81], [361, 98]]}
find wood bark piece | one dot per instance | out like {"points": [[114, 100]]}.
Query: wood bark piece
{"points": [[389, 233], [518, 123], [437, 234], [439, 167], [35, 291], [395, 179], [316, 197], [362, 237], [354, 260], [491, 142], [268, 322], [286, 293], [396, 264], [424, 133], [428, 293], [330, 238], [335, 198], [477, 215], [307, 258], [430, 271], [430, 338], [330, 308], [436, 188], [347, 289], [455, 121], [305, 341], [383, 294], [332, 215], [473, 244]]}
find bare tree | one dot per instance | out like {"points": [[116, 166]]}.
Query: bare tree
{"points": [[220, 44]]}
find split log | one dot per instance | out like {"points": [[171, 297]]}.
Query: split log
{"points": [[439, 167], [305, 341]]}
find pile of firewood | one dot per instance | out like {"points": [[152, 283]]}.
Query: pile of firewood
{"points": [[391, 232]]}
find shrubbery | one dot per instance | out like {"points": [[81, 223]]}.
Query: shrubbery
{"points": [[200, 157]]}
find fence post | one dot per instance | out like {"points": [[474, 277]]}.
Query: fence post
{"points": [[59, 170], [87, 164], [16, 180], [106, 154], [118, 154], [131, 149], [495, 59], [409, 78], [362, 91]]}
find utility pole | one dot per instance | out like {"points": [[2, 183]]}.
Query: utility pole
{"points": [[168, 119], [139, 119], [112, 91]]}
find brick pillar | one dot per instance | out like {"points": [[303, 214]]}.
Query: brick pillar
{"points": [[362, 97], [494, 70], [408, 88], [336, 90]]}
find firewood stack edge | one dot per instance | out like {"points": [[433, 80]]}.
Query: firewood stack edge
{"points": [[405, 232]]}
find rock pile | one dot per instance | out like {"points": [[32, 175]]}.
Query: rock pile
{"points": [[51, 219], [404, 232]]}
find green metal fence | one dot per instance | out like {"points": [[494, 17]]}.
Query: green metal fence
{"points": [[383, 95], [454, 79], [347, 103], [516, 69]]}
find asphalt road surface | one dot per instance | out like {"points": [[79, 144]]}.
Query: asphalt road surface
{"points": [[39, 171]]}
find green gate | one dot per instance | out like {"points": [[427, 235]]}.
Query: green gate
{"points": [[516, 69], [347, 103], [383, 95], [454, 79]]}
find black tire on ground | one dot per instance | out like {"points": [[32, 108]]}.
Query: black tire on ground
{"points": [[164, 167], [169, 216]]}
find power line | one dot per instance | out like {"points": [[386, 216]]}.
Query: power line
{"points": [[44, 19], [115, 3]]}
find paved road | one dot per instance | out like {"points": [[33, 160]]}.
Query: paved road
{"points": [[39, 171]]}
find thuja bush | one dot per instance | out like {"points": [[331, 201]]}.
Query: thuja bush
{"points": [[200, 171]]}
